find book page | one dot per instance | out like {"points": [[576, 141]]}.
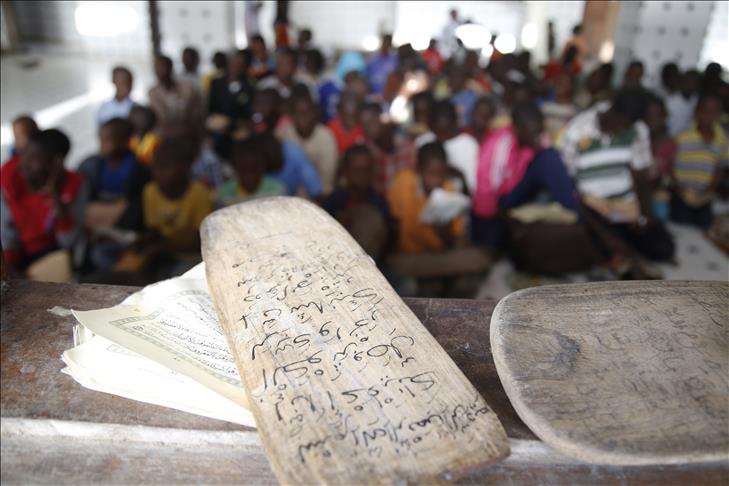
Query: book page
{"points": [[102, 365], [174, 324]]}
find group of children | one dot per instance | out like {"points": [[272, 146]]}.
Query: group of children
{"points": [[559, 171]]}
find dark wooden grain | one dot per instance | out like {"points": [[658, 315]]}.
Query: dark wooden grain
{"points": [[32, 387]]}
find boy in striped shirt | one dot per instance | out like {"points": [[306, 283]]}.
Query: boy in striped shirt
{"points": [[607, 151], [702, 157]]}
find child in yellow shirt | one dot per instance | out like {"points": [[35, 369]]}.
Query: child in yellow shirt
{"points": [[174, 206], [144, 141]]}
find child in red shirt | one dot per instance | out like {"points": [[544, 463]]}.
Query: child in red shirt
{"points": [[41, 203], [345, 126]]}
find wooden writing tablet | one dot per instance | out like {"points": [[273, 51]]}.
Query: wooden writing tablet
{"points": [[346, 385], [621, 372]]}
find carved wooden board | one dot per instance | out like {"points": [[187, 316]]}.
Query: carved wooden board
{"points": [[346, 385], [621, 372]]}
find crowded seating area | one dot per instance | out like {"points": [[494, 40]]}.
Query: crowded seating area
{"points": [[439, 162]]}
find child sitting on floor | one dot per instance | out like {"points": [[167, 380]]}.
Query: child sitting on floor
{"points": [[701, 160], [42, 203], [408, 197], [357, 206], [174, 207], [250, 180]]}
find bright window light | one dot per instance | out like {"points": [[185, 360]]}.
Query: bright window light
{"points": [[421, 43], [607, 49], [105, 19], [529, 35], [371, 43], [473, 36], [505, 43]]}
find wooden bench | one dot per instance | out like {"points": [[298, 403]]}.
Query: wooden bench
{"points": [[55, 431]]}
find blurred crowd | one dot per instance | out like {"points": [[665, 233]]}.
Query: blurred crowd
{"points": [[437, 162]]}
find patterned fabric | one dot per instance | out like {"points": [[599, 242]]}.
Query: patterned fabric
{"points": [[601, 164], [145, 147], [209, 169], [697, 160]]}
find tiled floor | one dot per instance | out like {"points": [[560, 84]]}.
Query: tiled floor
{"points": [[63, 92]]}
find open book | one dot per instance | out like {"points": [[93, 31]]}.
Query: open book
{"points": [[162, 345]]}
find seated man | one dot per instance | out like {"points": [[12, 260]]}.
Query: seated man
{"points": [[701, 161], [41, 203], [357, 206], [250, 180], [607, 150], [316, 139]]}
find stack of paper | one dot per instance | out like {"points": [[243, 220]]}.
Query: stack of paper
{"points": [[162, 345]]}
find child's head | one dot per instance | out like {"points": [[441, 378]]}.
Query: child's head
{"points": [[483, 114], [564, 87], [315, 62], [114, 138], [239, 63], [627, 108], [422, 106], [285, 64], [655, 115], [249, 162], [370, 118], [356, 83], [220, 61], [163, 68], [634, 75], [123, 80], [347, 108], [708, 111], [24, 127], [444, 120], [304, 113], [143, 119], [304, 39], [42, 159], [267, 107], [190, 59], [528, 124], [171, 166], [258, 47], [358, 168], [432, 166], [457, 77], [671, 76]]}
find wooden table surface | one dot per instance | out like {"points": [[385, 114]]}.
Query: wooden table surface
{"points": [[55, 431]]}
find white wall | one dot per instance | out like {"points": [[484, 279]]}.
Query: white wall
{"points": [[206, 25], [342, 25], [716, 43], [660, 32], [53, 24]]}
